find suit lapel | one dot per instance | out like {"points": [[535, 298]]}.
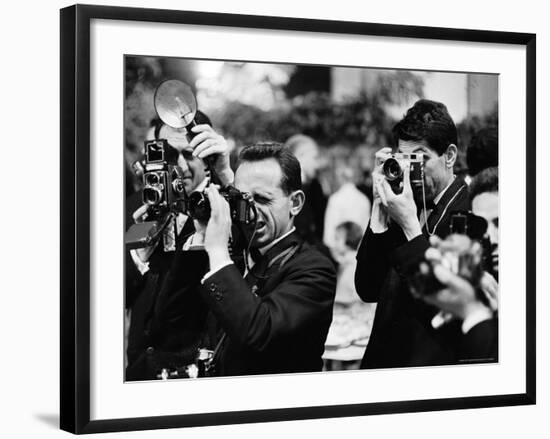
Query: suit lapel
{"points": [[271, 261], [441, 208]]}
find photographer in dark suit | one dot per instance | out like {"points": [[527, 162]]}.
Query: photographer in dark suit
{"points": [[159, 338], [464, 301], [396, 239], [275, 318]]}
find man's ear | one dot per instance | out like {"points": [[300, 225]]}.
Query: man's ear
{"points": [[451, 155], [297, 200]]}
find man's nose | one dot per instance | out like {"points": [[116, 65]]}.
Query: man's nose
{"points": [[182, 163], [492, 230]]}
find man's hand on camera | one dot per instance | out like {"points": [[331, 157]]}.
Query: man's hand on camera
{"points": [[218, 229], [458, 297], [400, 207], [208, 143], [139, 216], [379, 158], [379, 215]]}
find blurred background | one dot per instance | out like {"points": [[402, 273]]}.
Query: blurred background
{"points": [[349, 112], [336, 119]]}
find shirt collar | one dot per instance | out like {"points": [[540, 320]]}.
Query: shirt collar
{"points": [[264, 249]]}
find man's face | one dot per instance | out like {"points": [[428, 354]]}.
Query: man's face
{"points": [[436, 173], [486, 206], [262, 180], [193, 167]]}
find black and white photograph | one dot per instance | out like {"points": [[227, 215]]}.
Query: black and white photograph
{"points": [[271, 219], [303, 218]]}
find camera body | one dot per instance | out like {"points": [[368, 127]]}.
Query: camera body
{"points": [[241, 206], [394, 166], [163, 188], [163, 191]]}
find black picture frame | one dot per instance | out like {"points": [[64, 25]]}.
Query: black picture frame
{"points": [[75, 216]]}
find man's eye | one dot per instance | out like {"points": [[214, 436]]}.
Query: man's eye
{"points": [[187, 155], [261, 200]]}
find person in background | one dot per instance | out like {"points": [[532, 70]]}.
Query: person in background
{"points": [[485, 203], [482, 152], [347, 237], [310, 221], [347, 204]]}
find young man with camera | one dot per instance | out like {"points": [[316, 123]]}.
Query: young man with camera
{"points": [[274, 317], [165, 334], [406, 212]]}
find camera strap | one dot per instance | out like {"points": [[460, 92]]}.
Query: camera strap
{"points": [[444, 211]]}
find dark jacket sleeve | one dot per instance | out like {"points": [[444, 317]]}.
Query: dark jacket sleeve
{"points": [[134, 280], [305, 297], [178, 290], [481, 341], [407, 256], [374, 261]]}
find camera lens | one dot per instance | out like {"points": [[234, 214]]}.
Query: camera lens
{"points": [[178, 186], [198, 206], [392, 169], [152, 179], [152, 196]]}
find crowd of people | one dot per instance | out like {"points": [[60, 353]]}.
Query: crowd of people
{"points": [[214, 297]]}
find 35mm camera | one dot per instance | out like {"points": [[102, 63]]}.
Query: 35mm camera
{"points": [[394, 166]]}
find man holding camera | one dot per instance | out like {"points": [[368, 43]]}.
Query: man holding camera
{"points": [[405, 214], [464, 300], [166, 334], [275, 317]]}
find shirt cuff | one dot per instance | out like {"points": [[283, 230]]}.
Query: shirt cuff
{"points": [[214, 270], [476, 317], [143, 267], [379, 219]]}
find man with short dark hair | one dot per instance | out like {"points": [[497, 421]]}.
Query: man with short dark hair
{"points": [[404, 332], [276, 317], [165, 334], [482, 152]]}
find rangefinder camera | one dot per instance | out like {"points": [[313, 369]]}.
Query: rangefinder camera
{"points": [[163, 187], [241, 206], [394, 167]]}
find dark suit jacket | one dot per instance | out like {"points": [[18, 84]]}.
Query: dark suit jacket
{"points": [[480, 343], [402, 334], [280, 324], [166, 330]]}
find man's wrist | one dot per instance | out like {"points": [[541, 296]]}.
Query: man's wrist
{"points": [[412, 230], [218, 256], [475, 313], [226, 176]]}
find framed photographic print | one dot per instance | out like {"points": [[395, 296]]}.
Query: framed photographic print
{"points": [[249, 213]]}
